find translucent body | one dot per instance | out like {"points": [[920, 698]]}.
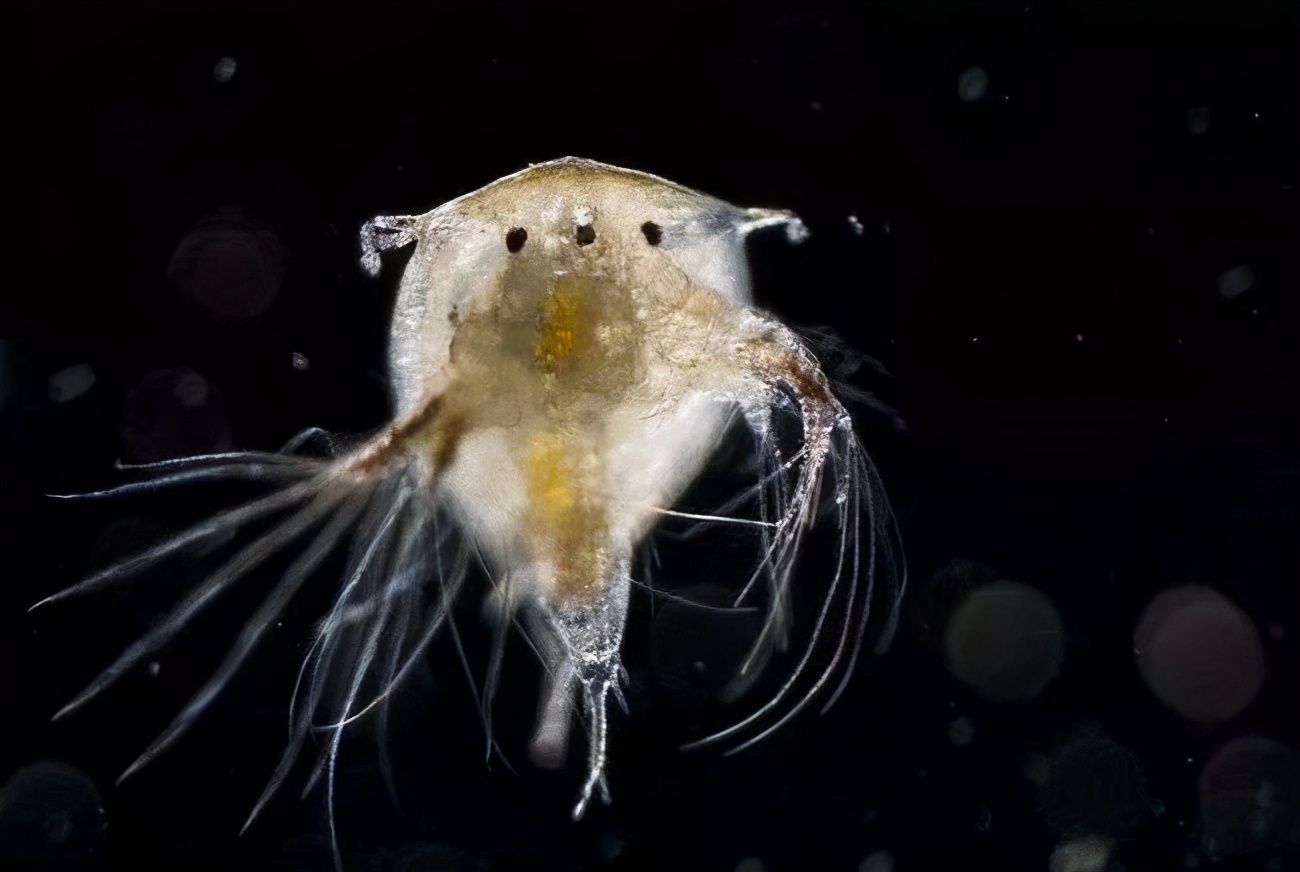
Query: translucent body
{"points": [[568, 347]]}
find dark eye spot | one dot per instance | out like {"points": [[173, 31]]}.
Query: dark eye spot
{"points": [[653, 232], [585, 235], [515, 239]]}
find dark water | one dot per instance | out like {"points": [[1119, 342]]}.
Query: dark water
{"points": [[1068, 232]]}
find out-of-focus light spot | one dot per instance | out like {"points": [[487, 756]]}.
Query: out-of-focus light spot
{"points": [[856, 225], [961, 732], [1199, 654], [1198, 120], [301, 362], [230, 264], [172, 413], [1084, 854], [1078, 337], [51, 814], [223, 71], [155, 668], [1005, 640], [72, 382], [191, 390], [877, 861], [815, 106], [972, 84], [888, 227], [1235, 282], [751, 864], [1092, 785], [1249, 795], [6, 376], [974, 339]]}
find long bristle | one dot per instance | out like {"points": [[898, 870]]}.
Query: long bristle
{"points": [[247, 559]]}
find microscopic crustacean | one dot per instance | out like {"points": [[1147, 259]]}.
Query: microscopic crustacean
{"points": [[568, 348]]}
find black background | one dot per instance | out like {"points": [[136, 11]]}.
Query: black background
{"points": [[1037, 271]]}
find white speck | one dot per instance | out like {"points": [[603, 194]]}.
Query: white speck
{"points": [[888, 227], [1006, 98], [1198, 120], [1179, 340], [856, 224], [1165, 419], [1078, 337], [1236, 281], [582, 216], [1256, 116], [154, 668], [974, 339], [71, 382], [301, 362], [223, 71], [972, 83]]}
